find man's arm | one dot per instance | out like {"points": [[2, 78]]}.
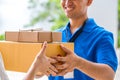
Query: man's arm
{"points": [[96, 71]]}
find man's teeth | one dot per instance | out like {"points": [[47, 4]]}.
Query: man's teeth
{"points": [[69, 8]]}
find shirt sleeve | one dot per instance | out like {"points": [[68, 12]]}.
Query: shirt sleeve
{"points": [[105, 52]]}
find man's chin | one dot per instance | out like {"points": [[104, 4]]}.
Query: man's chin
{"points": [[68, 16]]}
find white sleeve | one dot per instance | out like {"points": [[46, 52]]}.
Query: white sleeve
{"points": [[3, 74]]}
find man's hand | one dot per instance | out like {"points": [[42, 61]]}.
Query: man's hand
{"points": [[69, 61]]}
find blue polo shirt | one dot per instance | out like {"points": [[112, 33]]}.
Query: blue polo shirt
{"points": [[94, 44]]}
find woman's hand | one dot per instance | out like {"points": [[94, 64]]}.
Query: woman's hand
{"points": [[41, 64], [44, 64]]}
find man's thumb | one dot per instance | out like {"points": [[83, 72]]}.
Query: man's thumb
{"points": [[65, 49]]}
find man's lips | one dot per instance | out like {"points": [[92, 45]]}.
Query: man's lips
{"points": [[68, 9]]}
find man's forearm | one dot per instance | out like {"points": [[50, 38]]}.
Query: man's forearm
{"points": [[95, 70]]}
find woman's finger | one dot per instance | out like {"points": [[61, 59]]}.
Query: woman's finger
{"points": [[53, 68], [52, 72], [47, 73], [42, 51]]}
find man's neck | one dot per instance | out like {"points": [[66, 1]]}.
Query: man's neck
{"points": [[76, 23]]}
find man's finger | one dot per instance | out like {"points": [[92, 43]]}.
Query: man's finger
{"points": [[63, 73], [61, 59], [63, 66], [65, 49], [53, 61]]}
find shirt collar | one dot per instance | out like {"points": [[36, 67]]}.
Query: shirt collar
{"points": [[89, 25]]}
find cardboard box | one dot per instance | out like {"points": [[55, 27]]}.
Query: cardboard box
{"points": [[45, 36], [33, 36], [11, 36], [18, 56], [56, 36]]}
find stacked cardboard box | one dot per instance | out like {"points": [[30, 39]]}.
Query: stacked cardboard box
{"points": [[20, 48], [33, 36]]}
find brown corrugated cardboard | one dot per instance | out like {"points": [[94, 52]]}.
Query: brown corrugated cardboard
{"points": [[18, 56], [56, 36], [35, 36], [28, 36], [11, 36], [44, 36]]}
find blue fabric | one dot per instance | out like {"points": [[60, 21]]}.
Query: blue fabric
{"points": [[94, 44]]}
